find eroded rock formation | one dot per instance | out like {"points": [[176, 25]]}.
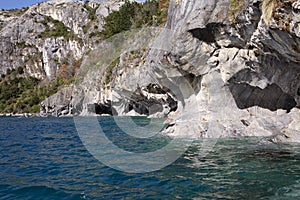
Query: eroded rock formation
{"points": [[46, 36], [223, 70]]}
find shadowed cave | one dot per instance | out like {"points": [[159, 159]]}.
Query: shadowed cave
{"points": [[141, 104], [207, 34], [272, 97]]}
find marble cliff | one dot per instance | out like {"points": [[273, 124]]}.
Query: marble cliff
{"points": [[221, 68]]}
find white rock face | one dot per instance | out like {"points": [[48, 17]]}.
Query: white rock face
{"points": [[61, 100], [75, 15], [211, 77], [241, 87], [45, 36], [55, 50]]}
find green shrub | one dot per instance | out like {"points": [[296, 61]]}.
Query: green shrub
{"points": [[91, 11], [132, 15], [119, 21], [23, 95], [12, 90], [20, 70], [34, 109], [58, 30], [109, 70]]}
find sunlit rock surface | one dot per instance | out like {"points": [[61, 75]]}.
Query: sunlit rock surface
{"points": [[211, 74], [47, 35], [250, 74]]}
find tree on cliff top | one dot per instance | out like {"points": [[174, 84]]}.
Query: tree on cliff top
{"points": [[119, 21]]}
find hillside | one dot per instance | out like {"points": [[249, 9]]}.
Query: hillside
{"points": [[47, 42]]}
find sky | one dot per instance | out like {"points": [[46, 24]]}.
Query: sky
{"points": [[10, 4]]}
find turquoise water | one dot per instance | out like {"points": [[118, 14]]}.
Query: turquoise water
{"points": [[43, 158]]}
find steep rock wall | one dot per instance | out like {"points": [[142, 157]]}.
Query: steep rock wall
{"points": [[230, 72], [45, 36], [248, 68]]}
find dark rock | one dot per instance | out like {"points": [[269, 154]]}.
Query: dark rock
{"points": [[272, 97]]}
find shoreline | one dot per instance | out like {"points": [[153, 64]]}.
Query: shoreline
{"points": [[20, 115], [27, 115]]}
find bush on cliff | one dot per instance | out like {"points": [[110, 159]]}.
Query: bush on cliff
{"points": [[134, 15]]}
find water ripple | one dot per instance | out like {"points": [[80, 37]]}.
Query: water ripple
{"points": [[43, 158]]}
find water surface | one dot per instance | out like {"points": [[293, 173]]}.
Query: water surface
{"points": [[44, 158]]}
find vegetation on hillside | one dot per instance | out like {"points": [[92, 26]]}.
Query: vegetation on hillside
{"points": [[279, 10], [16, 92], [20, 94], [55, 28], [235, 7], [93, 23], [267, 10], [91, 11], [134, 15], [13, 12]]}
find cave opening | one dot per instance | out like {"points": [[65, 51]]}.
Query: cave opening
{"points": [[152, 99], [101, 109], [207, 34], [147, 101], [272, 97]]}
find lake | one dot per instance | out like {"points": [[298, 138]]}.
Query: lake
{"points": [[45, 158]]}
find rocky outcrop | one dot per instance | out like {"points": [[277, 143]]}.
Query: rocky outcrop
{"points": [[124, 83], [248, 69], [216, 71], [58, 104], [46, 36]]}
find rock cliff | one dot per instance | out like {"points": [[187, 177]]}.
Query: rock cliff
{"points": [[46, 36], [219, 69], [249, 66], [238, 64]]}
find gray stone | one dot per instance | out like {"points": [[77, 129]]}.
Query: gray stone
{"points": [[58, 104], [25, 38], [210, 76]]}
